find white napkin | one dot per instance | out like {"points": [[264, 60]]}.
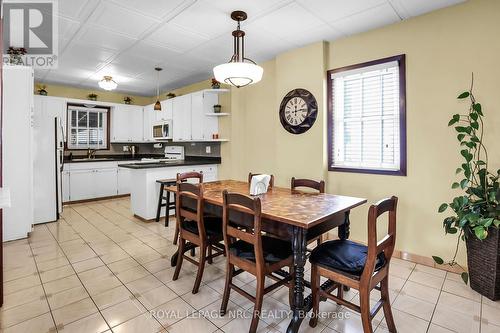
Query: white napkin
{"points": [[259, 184]]}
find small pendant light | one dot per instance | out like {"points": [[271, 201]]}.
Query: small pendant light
{"points": [[157, 106]]}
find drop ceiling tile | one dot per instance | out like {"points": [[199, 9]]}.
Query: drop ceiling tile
{"points": [[323, 32], [216, 50], [82, 52], [175, 38], [132, 66], [74, 9], [153, 8], [117, 18], [410, 8], [333, 10], [369, 19], [261, 45], [155, 53], [204, 19], [253, 8], [67, 27], [111, 40]]}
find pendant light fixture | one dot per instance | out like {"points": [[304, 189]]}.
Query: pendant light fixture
{"points": [[239, 71], [157, 106], [107, 83]]}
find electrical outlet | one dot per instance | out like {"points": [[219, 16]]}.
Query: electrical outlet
{"points": [[126, 148], [208, 149]]}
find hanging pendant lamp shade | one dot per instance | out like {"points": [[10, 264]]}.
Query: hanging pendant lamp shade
{"points": [[239, 71], [157, 106]]}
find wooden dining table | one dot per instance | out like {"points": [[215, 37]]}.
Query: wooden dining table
{"points": [[291, 215]]}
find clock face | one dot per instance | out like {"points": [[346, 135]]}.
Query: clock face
{"points": [[298, 111]]}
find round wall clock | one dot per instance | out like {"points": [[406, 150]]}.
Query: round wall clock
{"points": [[298, 111]]}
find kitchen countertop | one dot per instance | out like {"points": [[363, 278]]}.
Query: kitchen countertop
{"points": [[110, 158], [190, 160]]}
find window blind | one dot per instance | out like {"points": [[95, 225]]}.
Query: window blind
{"points": [[87, 127], [366, 118]]}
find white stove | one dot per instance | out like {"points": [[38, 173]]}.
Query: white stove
{"points": [[172, 154]]}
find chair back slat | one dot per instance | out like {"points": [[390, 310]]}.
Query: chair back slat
{"points": [[386, 245], [250, 176], [189, 201], [233, 228], [308, 183]]}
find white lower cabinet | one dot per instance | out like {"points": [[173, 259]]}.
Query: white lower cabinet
{"points": [[65, 186], [124, 179], [81, 185], [105, 183]]}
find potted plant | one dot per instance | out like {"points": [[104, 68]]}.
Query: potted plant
{"points": [[92, 97], [217, 108], [475, 213], [42, 91], [127, 100], [16, 55], [215, 84]]}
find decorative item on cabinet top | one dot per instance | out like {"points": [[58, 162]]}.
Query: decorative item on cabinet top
{"points": [[41, 90], [92, 97], [127, 100]]}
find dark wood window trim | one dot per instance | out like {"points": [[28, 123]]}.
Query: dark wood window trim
{"points": [[401, 59], [108, 127]]}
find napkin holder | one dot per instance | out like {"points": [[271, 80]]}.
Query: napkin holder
{"points": [[259, 184]]}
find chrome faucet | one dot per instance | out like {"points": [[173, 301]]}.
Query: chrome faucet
{"points": [[91, 153]]}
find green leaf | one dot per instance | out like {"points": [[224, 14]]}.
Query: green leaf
{"points": [[461, 129], [452, 230], [474, 125], [443, 207], [454, 120], [458, 171], [465, 277], [480, 232], [455, 185], [480, 162], [438, 260], [463, 95], [460, 137], [474, 116], [464, 183], [477, 107]]}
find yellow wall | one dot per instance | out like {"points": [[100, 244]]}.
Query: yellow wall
{"points": [[79, 93], [442, 49]]}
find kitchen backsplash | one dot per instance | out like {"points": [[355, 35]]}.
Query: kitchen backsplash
{"points": [[190, 148]]}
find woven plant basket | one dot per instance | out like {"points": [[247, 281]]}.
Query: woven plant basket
{"points": [[483, 258]]}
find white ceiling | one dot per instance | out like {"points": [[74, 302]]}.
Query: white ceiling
{"points": [[128, 38]]}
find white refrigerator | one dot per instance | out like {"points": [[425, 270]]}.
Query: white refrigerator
{"points": [[48, 158], [17, 150]]}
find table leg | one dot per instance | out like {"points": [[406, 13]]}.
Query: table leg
{"points": [[299, 307], [344, 229]]}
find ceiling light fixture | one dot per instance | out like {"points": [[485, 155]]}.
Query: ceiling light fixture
{"points": [[107, 83], [239, 71], [157, 106]]}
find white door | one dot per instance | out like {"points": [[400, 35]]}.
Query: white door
{"points": [[135, 124], [124, 178], [120, 123], [65, 186], [182, 118], [148, 119], [197, 116], [82, 185], [105, 183]]}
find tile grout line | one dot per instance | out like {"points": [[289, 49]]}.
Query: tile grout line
{"points": [[41, 283], [437, 301]]}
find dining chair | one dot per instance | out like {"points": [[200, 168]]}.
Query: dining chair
{"points": [[357, 266], [310, 184], [251, 251], [184, 177], [250, 176], [199, 230]]}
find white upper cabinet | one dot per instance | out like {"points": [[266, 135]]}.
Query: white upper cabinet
{"points": [[126, 123], [149, 118], [181, 120]]}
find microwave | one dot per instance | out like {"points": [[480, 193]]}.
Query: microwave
{"points": [[162, 130]]}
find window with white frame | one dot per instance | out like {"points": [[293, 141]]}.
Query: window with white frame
{"points": [[87, 127], [367, 122]]}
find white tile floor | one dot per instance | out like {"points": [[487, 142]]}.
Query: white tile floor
{"points": [[100, 269]]}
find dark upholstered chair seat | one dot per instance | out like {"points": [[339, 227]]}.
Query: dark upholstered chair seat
{"points": [[274, 249], [345, 256], [213, 226]]}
